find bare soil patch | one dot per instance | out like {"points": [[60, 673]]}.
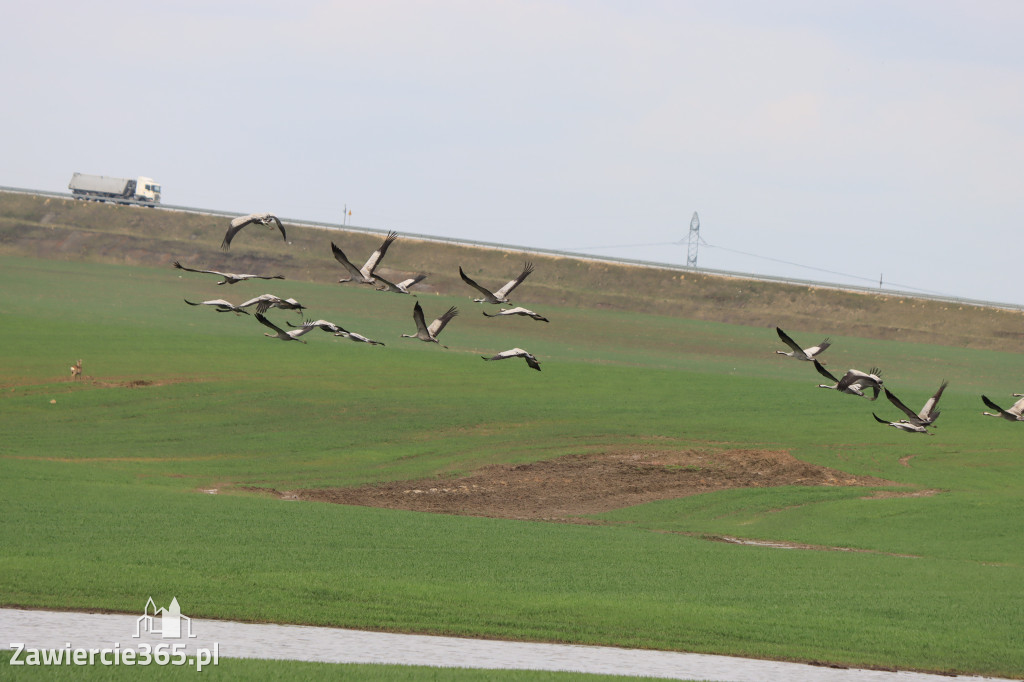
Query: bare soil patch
{"points": [[783, 544], [567, 488], [86, 381]]}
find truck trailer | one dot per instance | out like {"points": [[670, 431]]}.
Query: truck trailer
{"points": [[118, 190]]}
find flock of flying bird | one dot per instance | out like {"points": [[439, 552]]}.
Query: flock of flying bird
{"points": [[856, 382], [361, 275]]}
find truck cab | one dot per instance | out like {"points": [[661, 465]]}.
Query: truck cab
{"points": [[146, 189]]}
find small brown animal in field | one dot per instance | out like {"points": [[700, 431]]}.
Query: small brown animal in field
{"points": [[76, 370]]}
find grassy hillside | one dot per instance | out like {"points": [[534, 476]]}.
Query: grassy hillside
{"points": [[104, 478], [84, 231], [107, 481]]}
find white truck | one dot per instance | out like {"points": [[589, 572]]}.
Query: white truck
{"points": [[140, 190]]}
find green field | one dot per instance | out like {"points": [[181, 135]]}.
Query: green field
{"points": [[253, 669], [103, 478]]}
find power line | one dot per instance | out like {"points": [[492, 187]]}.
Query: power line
{"points": [[830, 272], [767, 258], [786, 262]]}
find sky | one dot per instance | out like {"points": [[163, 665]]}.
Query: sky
{"points": [[872, 143]]}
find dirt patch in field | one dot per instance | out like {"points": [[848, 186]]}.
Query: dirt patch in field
{"points": [[889, 494], [90, 382], [783, 544], [567, 488]]}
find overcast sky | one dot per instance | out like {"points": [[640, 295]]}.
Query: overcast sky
{"points": [[849, 142]]}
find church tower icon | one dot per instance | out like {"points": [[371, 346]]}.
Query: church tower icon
{"points": [[170, 621]]}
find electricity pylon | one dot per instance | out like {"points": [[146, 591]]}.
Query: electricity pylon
{"points": [[691, 253]]}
